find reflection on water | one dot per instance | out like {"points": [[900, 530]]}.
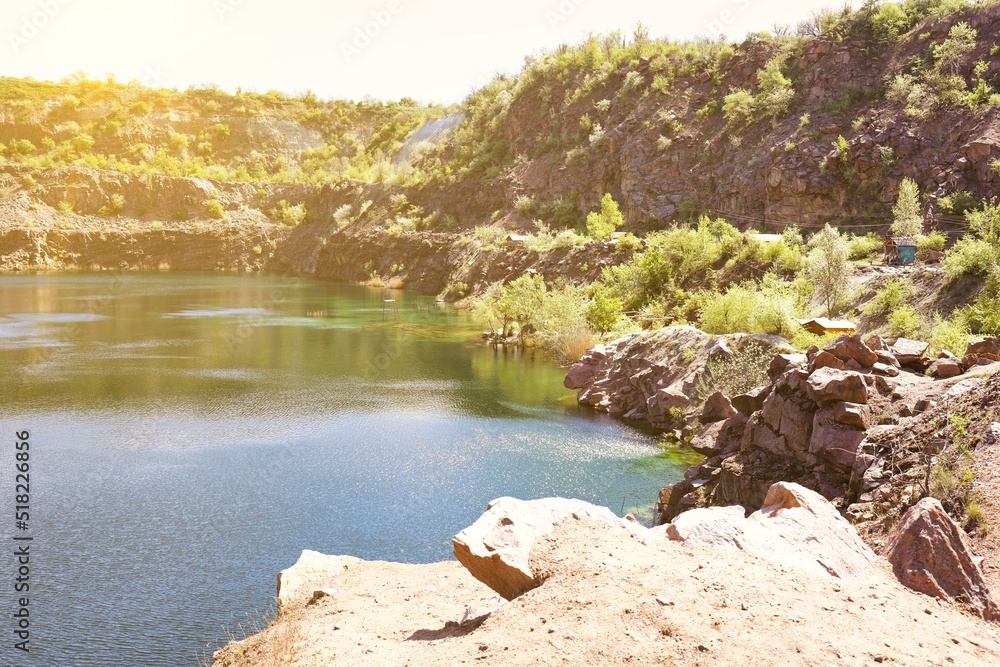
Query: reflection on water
{"points": [[193, 433]]}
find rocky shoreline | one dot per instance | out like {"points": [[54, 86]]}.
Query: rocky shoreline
{"points": [[561, 581]]}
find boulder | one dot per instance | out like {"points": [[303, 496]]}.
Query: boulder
{"points": [[580, 376], [888, 358], [877, 344], [848, 348], [826, 360], [707, 442], [796, 527], [717, 409], [829, 385], [946, 368], [752, 401], [783, 362], [850, 414], [496, 548], [885, 369], [988, 348], [929, 553], [909, 352]]}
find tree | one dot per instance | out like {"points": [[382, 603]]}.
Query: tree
{"points": [[907, 220], [950, 53], [602, 225], [829, 266]]}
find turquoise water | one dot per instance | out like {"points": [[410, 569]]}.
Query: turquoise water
{"points": [[191, 434]]}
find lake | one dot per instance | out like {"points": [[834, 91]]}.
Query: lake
{"points": [[191, 434]]}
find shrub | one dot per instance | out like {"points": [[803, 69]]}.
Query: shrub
{"points": [[489, 238], [603, 224], [525, 206], [926, 243], [214, 209], [289, 215], [737, 374], [738, 106], [952, 335], [455, 292], [342, 216], [904, 322], [970, 256], [115, 206], [628, 245], [864, 247]]}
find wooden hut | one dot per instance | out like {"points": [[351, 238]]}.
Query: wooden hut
{"points": [[821, 326], [517, 240], [900, 251]]}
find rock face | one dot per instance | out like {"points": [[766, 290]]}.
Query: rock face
{"points": [[814, 427], [651, 377], [496, 548], [796, 527], [929, 554]]}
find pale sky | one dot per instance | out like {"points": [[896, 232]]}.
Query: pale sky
{"points": [[431, 50]]}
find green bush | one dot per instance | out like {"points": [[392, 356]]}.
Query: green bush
{"points": [[115, 206], [289, 215], [952, 335], [904, 322], [892, 296], [214, 209], [970, 256], [865, 247], [738, 106], [601, 225]]}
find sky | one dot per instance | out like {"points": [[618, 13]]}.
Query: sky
{"points": [[429, 50]]}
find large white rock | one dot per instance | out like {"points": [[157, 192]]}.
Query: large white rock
{"points": [[496, 548], [796, 527]]}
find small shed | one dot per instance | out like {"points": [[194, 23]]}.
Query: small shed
{"points": [[821, 326], [767, 238], [900, 251], [517, 240]]}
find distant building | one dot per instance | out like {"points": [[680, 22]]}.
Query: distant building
{"points": [[822, 326], [517, 240], [900, 251]]}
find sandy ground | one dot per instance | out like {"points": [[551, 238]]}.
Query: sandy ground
{"points": [[610, 600]]}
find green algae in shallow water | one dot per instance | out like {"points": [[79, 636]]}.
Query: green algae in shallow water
{"points": [[670, 457]]}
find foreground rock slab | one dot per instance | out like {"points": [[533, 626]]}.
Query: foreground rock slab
{"points": [[929, 553], [610, 600], [796, 527], [496, 549]]}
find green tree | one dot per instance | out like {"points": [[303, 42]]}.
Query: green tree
{"points": [[906, 217], [829, 266], [950, 53], [602, 225], [604, 311]]}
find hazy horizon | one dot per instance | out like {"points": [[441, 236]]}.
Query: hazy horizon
{"points": [[429, 50]]}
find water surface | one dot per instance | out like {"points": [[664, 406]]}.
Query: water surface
{"points": [[193, 433]]}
